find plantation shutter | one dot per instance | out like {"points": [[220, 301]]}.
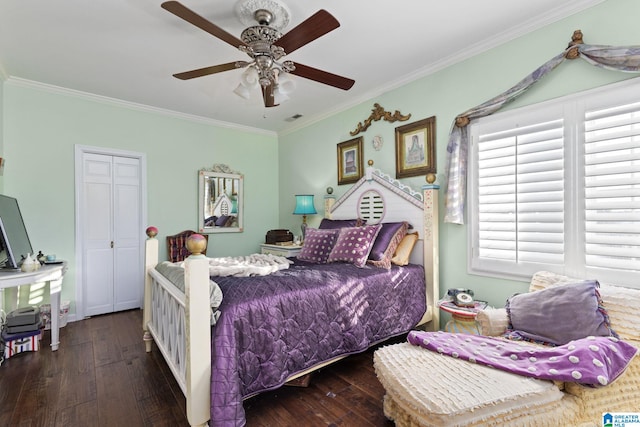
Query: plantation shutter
{"points": [[520, 198], [612, 188]]}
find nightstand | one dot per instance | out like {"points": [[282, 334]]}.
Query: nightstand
{"points": [[463, 319], [280, 250]]}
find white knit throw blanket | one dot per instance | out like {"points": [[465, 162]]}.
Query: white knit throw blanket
{"points": [[248, 265]]}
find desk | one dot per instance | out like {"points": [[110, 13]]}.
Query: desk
{"points": [[51, 275]]}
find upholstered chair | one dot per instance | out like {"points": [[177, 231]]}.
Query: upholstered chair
{"points": [[176, 245]]}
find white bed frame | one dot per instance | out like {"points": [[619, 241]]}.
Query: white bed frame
{"points": [[179, 323]]}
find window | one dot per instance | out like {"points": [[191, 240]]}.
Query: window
{"points": [[556, 186]]}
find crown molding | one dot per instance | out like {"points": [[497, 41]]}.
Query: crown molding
{"points": [[20, 82], [554, 15]]}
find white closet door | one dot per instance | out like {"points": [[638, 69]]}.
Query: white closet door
{"points": [[98, 234], [112, 265], [126, 216]]}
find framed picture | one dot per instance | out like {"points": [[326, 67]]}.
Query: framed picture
{"points": [[350, 163], [415, 148]]}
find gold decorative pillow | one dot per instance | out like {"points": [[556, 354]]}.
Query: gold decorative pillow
{"points": [[404, 249]]}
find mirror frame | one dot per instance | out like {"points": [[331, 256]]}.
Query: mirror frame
{"points": [[204, 175]]}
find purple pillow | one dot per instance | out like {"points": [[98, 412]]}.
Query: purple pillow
{"points": [[327, 223], [558, 314], [317, 245], [388, 239], [354, 244]]}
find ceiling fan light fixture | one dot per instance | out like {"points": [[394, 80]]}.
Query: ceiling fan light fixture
{"points": [[285, 84], [249, 77], [242, 91], [265, 45], [279, 96], [264, 62], [265, 81]]}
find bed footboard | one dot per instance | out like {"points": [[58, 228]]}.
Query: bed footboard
{"points": [[150, 261], [179, 323], [167, 326]]}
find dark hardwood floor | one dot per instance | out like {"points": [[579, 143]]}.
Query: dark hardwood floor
{"points": [[101, 376]]}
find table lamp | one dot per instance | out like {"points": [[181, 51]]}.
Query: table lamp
{"points": [[304, 207]]}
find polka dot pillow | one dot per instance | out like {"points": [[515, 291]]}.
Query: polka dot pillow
{"points": [[354, 244], [317, 245]]}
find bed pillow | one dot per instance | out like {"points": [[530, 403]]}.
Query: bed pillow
{"points": [[389, 237], [327, 223], [559, 314], [317, 245], [354, 244], [404, 249]]}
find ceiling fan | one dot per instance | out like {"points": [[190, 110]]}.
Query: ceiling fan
{"points": [[265, 45]]}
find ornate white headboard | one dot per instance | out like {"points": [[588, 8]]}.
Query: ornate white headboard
{"points": [[378, 197]]}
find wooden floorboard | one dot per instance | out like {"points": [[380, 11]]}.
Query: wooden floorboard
{"points": [[102, 376]]}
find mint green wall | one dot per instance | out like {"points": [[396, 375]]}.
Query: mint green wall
{"points": [[39, 128], [311, 152], [42, 127]]}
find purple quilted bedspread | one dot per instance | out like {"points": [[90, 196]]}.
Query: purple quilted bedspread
{"points": [[273, 326]]}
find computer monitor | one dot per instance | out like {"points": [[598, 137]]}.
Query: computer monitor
{"points": [[14, 240]]}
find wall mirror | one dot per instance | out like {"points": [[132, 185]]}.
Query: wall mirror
{"points": [[220, 207]]}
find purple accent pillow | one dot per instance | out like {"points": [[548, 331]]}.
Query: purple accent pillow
{"points": [[388, 239], [354, 244], [317, 245], [558, 314], [327, 223]]}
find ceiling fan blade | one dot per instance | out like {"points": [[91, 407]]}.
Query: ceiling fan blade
{"points": [[206, 71], [317, 25], [323, 77], [190, 16], [267, 95]]}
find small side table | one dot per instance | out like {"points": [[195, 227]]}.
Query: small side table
{"points": [[463, 319], [280, 250]]}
